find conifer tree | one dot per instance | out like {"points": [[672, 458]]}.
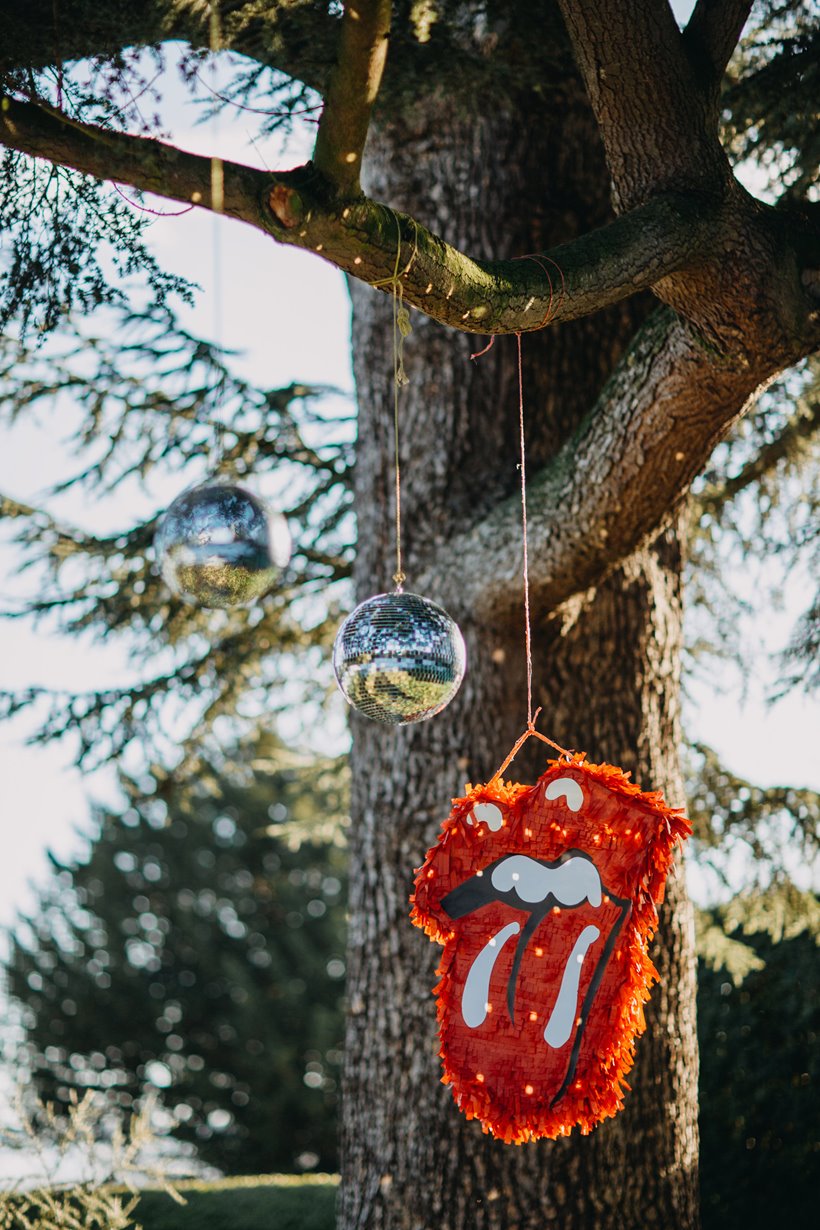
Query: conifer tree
{"points": [[199, 949]]}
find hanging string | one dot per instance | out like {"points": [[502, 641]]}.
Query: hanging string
{"points": [[399, 576], [400, 324], [530, 732], [523, 468], [539, 260], [550, 313], [217, 207], [402, 328], [146, 209]]}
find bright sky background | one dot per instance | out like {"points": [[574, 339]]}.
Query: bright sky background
{"points": [[288, 313]]}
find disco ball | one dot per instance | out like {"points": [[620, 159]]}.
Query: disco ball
{"points": [[399, 658], [220, 546]]}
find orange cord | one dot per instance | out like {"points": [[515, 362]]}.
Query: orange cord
{"points": [[530, 732]]}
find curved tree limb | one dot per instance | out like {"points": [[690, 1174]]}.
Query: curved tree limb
{"points": [[145, 164], [612, 486], [688, 232], [360, 236]]}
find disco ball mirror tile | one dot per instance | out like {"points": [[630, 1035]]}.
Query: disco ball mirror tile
{"points": [[399, 658], [220, 546]]}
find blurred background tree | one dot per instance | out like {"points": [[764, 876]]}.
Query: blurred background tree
{"points": [[200, 950]]}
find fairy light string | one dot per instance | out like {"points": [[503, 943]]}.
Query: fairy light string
{"points": [[522, 465]]}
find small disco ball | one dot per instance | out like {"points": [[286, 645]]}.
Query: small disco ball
{"points": [[399, 658], [220, 546]]}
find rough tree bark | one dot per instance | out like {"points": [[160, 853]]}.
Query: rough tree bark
{"points": [[606, 673]]}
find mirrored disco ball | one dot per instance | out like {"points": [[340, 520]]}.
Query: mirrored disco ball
{"points": [[220, 546], [399, 658]]}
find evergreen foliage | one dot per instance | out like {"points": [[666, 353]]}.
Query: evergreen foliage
{"points": [[770, 87], [758, 1024], [157, 401], [748, 832], [199, 949]]}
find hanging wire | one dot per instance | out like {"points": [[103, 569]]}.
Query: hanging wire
{"points": [[402, 328], [530, 732], [523, 468], [217, 208], [399, 379]]}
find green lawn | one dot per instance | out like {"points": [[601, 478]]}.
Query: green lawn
{"points": [[264, 1202]]}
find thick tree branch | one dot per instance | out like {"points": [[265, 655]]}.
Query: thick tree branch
{"points": [[659, 129], [148, 165], [712, 35], [351, 93], [602, 267], [361, 237], [612, 486], [711, 254]]}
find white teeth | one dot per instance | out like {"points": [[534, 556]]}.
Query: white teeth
{"points": [[488, 814], [476, 991], [566, 788], [562, 1018], [571, 882]]}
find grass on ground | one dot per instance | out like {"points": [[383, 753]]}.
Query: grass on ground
{"points": [[264, 1202]]}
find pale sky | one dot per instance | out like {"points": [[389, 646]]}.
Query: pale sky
{"points": [[288, 312]]}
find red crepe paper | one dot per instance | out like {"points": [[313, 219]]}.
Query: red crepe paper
{"points": [[544, 898]]}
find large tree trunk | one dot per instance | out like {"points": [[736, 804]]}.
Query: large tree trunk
{"points": [[606, 672]]}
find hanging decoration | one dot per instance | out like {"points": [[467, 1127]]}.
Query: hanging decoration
{"points": [[219, 545], [398, 657], [544, 898]]}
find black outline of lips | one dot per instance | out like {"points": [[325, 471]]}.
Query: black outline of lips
{"points": [[479, 891]]}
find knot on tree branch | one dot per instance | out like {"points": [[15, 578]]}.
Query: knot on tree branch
{"points": [[286, 205]]}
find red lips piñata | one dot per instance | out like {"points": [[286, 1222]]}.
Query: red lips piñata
{"points": [[544, 898]]}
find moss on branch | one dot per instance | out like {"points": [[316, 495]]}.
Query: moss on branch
{"points": [[369, 240]]}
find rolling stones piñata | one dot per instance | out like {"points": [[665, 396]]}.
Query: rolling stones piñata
{"points": [[544, 899]]}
